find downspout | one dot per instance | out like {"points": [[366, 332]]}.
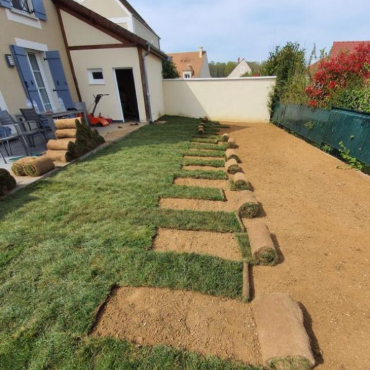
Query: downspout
{"points": [[147, 82]]}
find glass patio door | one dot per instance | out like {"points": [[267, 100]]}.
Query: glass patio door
{"points": [[35, 67]]}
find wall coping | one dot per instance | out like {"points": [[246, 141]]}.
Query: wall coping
{"points": [[220, 79]]}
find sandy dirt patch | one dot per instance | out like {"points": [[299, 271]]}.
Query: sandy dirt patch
{"points": [[321, 218], [230, 205], [192, 321], [201, 242], [203, 183]]}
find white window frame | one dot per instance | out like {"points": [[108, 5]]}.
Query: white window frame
{"points": [[186, 75], [92, 80], [23, 12]]}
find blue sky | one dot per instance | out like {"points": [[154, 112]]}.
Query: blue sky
{"points": [[229, 29]]}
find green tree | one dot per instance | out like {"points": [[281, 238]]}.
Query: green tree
{"points": [[169, 69], [289, 66]]}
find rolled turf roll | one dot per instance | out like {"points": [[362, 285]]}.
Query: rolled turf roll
{"points": [[231, 154], [262, 246], [248, 206], [66, 133], [241, 182], [61, 144], [18, 166], [231, 144], [7, 182], [59, 155], [67, 123], [283, 338], [200, 130], [39, 166], [225, 138], [232, 166]]}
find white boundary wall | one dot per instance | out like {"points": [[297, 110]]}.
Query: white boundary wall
{"points": [[221, 99]]}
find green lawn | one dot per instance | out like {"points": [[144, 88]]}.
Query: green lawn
{"points": [[65, 241]]}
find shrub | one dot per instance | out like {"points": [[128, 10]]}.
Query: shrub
{"points": [[336, 79]]}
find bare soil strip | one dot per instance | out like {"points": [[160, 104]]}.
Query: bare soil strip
{"points": [[204, 324], [190, 157], [319, 211], [201, 242], [231, 205], [203, 183]]}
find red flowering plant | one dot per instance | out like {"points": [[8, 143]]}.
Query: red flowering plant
{"points": [[346, 71]]}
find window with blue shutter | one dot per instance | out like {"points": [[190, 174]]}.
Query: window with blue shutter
{"points": [[59, 77], [6, 3], [39, 9], [26, 76], [25, 5]]}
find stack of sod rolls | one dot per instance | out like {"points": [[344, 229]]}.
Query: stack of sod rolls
{"points": [[7, 182], [32, 166], [74, 139]]}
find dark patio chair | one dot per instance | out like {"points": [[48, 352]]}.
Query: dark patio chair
{"points": [[6, 135], [42, 124], [25, 128]]}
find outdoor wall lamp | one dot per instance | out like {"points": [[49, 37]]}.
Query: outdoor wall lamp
{"points": [[10, 60]]}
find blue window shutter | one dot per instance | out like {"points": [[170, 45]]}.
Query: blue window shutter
{"points": [[26, 76], [39, 9], [59, 77], [6, 3]]}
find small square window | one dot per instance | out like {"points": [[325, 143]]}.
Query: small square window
{"points": [[187, 75], [96, 76]]}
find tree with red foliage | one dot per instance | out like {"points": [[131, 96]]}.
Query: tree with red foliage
{"points": [[337, 74]]}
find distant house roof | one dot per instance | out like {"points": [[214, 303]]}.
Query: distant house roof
{"points": [[137, 15], [345, 46], [106, 25], [340, 47], [189, 61]]}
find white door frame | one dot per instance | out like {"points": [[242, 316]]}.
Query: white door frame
{"points": [[117, 89]]}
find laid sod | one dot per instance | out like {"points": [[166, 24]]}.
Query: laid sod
{"points": [[244, 246], [202, 162], [207, 146], [204, 140], [200, 153], [209, 175], [65, 240]]}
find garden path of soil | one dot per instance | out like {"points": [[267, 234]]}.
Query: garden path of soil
{"points": [[319, 211]]}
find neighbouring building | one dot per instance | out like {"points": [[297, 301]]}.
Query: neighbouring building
{"points": [[192, 64], [340, 47], [34, 61], [241, 69], [108, 58]]}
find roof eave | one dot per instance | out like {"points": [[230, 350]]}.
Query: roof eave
{"points": [[119, 32]]}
